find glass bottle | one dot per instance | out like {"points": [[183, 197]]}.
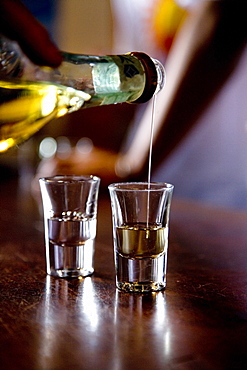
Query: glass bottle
{"points": [[31, 96]]}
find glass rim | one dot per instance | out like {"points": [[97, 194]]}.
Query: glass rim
{"points": [[68, 179], [141, 186]]}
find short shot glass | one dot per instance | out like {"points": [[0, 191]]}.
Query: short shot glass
{"points": [[140, 214], [70, 217]]}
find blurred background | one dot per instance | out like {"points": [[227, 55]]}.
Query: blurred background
{"points": [[210, 163]]}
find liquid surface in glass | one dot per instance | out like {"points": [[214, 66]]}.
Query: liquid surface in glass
{"points": [[140, 241]]}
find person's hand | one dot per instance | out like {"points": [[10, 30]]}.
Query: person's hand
{"points": [[18, 24]]}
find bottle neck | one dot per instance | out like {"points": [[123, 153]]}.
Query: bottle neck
{"points": [[155, 76]]}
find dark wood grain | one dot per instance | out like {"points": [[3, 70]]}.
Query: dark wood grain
{"points": [[199, 322]]}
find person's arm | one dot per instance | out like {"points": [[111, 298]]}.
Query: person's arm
{"points": [[203, 56], [17, 23]]}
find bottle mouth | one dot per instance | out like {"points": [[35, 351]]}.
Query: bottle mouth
{"points": [[161, 75]]}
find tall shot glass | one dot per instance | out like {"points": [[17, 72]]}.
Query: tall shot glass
{"points": [[140, 213], [70, 214]]}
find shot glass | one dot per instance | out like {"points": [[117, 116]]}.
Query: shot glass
{"points": [[70, 217], [140, 213]]}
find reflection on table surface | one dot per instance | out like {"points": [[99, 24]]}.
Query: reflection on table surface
{"points": [[198, 322]]}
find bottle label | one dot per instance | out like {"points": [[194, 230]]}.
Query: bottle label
{"points": [[106, 78]]}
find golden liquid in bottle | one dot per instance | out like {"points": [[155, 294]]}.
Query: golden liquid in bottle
{"points": [[27, 107]]}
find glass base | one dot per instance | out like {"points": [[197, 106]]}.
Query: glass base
{"points": [[70, 261], [141, 275], [139, 287], [71, 273]]}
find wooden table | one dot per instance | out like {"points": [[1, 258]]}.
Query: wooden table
{"points": [[199, 322]]}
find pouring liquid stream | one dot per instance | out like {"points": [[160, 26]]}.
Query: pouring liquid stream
{"points": [[150, 156]]}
